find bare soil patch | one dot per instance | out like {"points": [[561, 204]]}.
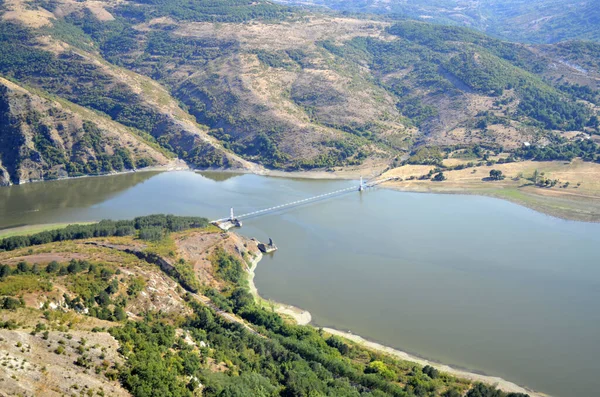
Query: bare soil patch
{"points": [[34, 369]]}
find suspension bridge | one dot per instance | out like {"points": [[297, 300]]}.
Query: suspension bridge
{"points": [[236, 220]]}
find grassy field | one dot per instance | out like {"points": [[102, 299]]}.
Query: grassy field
{"points": [[32, 229], [579, 200]]}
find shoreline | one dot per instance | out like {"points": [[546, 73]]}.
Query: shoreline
{"points": [[303, 317], [554, 203], [562, 207], [175, 165]]}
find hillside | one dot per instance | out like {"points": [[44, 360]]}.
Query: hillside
{"points": [[535, 21], [151, 309], [44, 138], [244, 85]]}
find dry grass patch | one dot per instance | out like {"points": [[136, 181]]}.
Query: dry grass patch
{"points": [[580, 200]]}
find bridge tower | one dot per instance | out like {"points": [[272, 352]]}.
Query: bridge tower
{"points": [[361, 187]]}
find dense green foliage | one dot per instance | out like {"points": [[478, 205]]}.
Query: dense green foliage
{"points": [[106, 228], [228, 267], [496, 175], [212, 11], [586, 149]]}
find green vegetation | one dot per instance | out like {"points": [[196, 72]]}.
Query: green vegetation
{"points": [[426, 156], [535, 21], [444, 61], [150, 227], [228, 268], [275, 358], [439, 177], [94, 287], [212, 11], [428, 71], [292, 361], [587, 149], [496, 175]]}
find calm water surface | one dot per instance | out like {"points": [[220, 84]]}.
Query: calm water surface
{"points": [[471, 281]]}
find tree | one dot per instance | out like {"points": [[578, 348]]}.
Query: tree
{"points": [[496, 175], [23, 267], [11, 303], [439, 177], [431, 372], [52, 267], [74, 266], [339, 344], [103, 299], [4, 271], [120, 314]]}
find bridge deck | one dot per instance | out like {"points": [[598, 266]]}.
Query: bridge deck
{"points": [[366, 185]]}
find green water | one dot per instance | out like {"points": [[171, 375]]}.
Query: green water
{"points": [[471, 281]]}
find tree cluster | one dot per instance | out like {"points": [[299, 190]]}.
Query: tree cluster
{"points": [[106, 228]]}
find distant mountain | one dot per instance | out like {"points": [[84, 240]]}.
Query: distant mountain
{"points": [[236, 83], [531, 21]]}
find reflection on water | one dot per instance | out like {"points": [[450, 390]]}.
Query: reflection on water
{"points": [[28, 203], [219, 176], [472, 281]]}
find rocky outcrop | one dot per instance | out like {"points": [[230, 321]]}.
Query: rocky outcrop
{"points": [[156, 259], [4, 177]]}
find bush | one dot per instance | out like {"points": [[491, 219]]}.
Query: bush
{"points": [[439, 177], [496, 175], [9, 303], [379, 367]]}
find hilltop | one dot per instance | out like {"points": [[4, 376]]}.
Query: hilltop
{"points": [[249, 85]]}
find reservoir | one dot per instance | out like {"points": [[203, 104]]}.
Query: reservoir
{"points": [[469, 281]]}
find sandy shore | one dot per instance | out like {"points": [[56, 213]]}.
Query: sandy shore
{"points": [[303, 317], [500, 383]]}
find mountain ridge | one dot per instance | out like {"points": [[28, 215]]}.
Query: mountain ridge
{"points": [[235, 86]]}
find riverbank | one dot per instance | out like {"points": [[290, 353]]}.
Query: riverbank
{"points": [[575, 195], [500, 383], [303, 317], [32, 229], [173, 165]]}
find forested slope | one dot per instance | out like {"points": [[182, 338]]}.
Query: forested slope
{"points": [[44, 138], [229, 84], [120, 308], [535, 21]]}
